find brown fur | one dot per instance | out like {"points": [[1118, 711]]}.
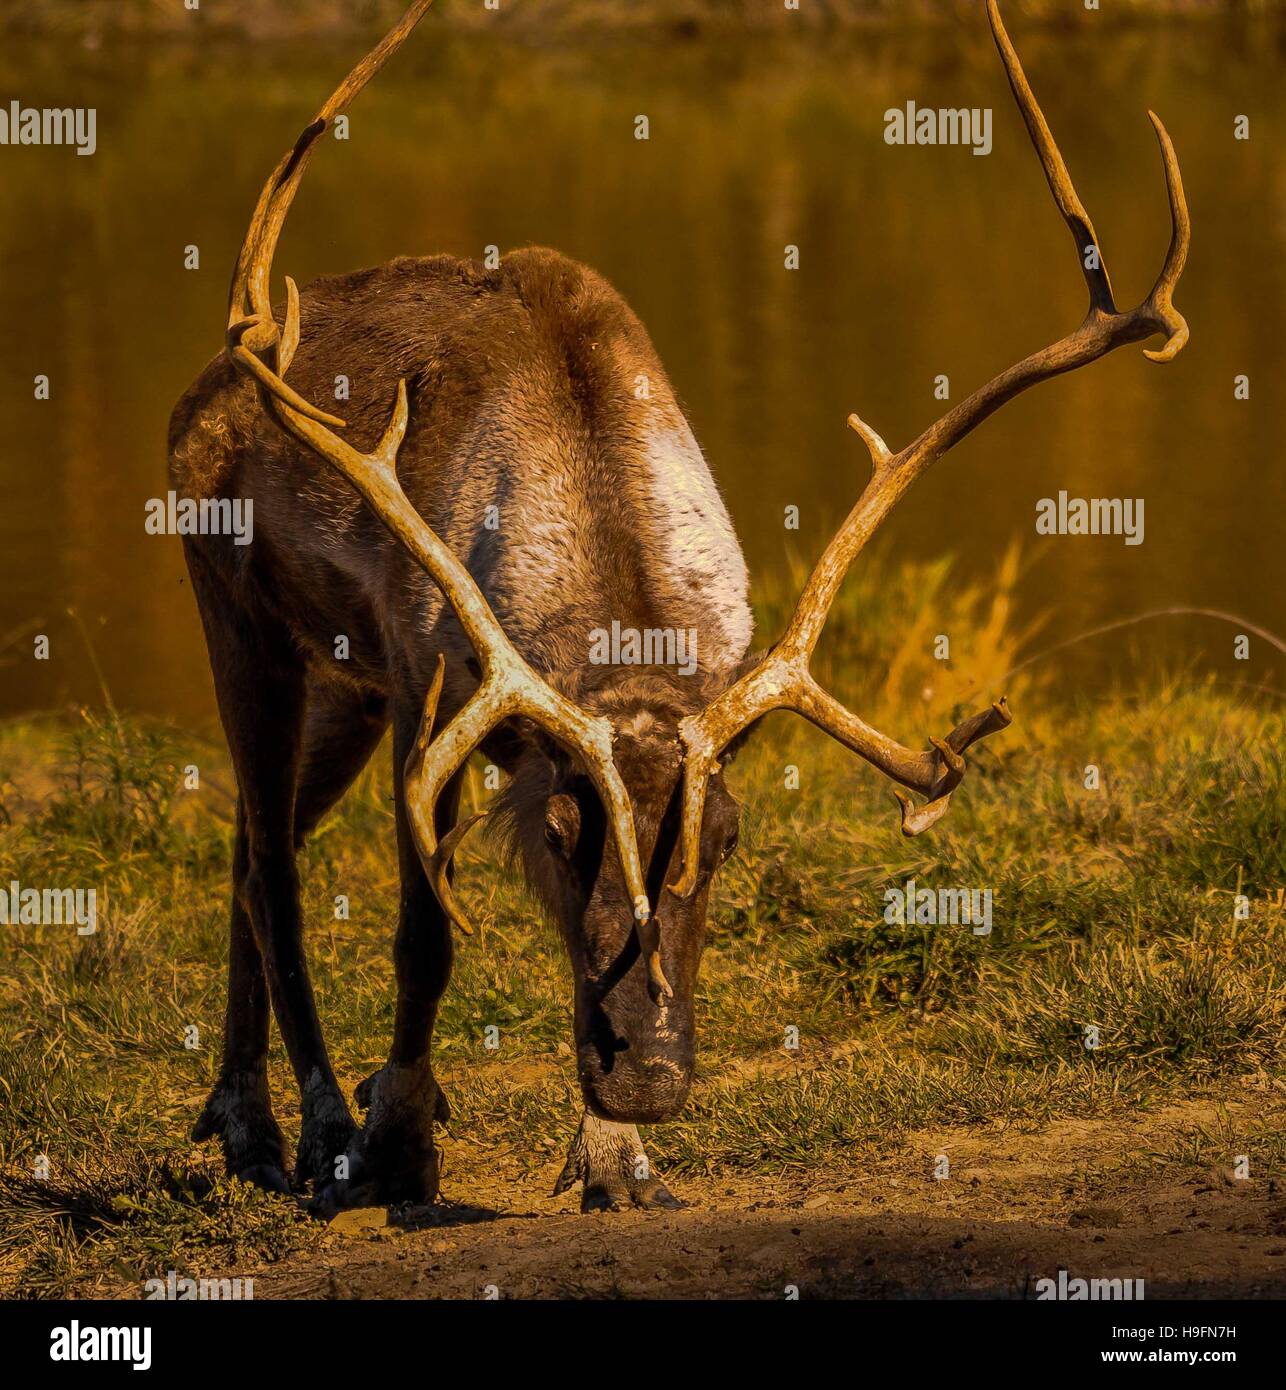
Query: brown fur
{"points": [[522, 396]]}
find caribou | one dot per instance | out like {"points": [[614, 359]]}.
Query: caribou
{"points": [[477, 394]]}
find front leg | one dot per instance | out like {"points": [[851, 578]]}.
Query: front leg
{"points": [[609, 1159], [394, 1159]]}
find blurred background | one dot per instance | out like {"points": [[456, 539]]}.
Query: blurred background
{"points": [[766, 129]]}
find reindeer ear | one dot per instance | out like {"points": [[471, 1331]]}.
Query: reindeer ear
{"points": [[562, 824]]}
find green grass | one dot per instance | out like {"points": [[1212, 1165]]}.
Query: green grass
{"points": [[1112, 908]]}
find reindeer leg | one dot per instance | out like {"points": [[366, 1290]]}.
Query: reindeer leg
{"points": [[261, 690], [395, 1158], [239, 1110], [609, 1159]]}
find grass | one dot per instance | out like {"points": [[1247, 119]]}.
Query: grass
{"points": [[1149, 910]]}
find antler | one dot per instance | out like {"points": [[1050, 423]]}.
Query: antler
{"points": [[782, 679], [509, 686]]}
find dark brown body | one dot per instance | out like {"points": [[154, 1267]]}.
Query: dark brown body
{"points": [[546, 448]]}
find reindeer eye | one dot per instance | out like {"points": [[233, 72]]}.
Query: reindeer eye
{"points": [[562, 824]]}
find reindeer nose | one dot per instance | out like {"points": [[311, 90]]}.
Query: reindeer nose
{"points": [[637, 1090], [635, 1060]]}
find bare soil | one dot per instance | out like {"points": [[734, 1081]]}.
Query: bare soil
{"points": [[1097, 1198]]}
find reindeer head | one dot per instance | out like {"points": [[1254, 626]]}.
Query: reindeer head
{"points": [[622, 780], [635, 1046]]}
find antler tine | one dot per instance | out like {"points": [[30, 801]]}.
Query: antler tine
{"points": [[509, 687], [1094, 267], [1156, 308], [1160, 300], [879, 450], [255, 260], [782, 679]]}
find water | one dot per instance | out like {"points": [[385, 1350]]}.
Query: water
{"points": [[915, 262]]}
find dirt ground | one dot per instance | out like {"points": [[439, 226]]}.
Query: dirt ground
{"points": [[1094, 1197]]}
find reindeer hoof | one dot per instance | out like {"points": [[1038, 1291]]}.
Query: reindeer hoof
{"points": [[650, 1196], [324, 1139], [609, 1160], [412, 1181], [334, 1197], [615, 1199], [270, 1177], [239, 1114], [393, 1159]]}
